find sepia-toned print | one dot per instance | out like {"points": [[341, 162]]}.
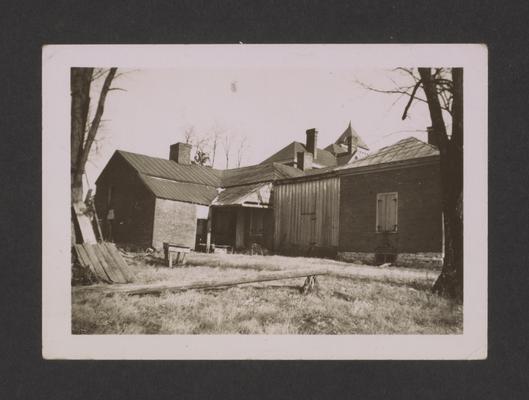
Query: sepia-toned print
{"points": [[282, 201]]}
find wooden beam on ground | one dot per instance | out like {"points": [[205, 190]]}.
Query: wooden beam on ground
{"points": [[209, 284]]}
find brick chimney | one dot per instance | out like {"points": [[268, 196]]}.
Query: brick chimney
{"points": [[312, 142], [432, 137], [181, 153], [304, 160]]}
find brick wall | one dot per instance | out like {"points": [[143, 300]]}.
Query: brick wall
{"points": [[419, 211], [174, 222], [132, 203]]}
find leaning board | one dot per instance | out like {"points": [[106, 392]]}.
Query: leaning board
{"points": [[104, 261]]}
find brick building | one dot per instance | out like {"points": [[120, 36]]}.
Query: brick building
{"points": [[147, 201], [385, 207]]}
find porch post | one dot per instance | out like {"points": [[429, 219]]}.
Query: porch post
{"points": [[239, 228], [208, 234]]}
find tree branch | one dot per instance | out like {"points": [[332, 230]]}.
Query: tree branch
{"points": [[412, 96], [96, 120]]}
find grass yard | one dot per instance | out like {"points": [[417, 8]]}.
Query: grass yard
{"points": [[353, 299]]}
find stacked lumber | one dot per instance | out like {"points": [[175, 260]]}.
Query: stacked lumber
{"points": [[104, 261]]}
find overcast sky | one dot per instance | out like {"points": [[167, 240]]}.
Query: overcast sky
{"points": [[271, 107]]}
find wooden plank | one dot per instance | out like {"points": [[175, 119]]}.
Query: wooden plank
{"points": [[85, 226], [120, 262], [108, 264], [81, 255], [100, 271], [211, 284], [83, 258], [117, 269]]}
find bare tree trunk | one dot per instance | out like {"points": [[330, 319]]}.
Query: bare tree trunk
{"points": [[215, 139], [80, 145], [80, 80], [82, 136], [450, 281]]}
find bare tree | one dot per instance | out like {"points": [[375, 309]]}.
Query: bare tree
{"points": [[199, 143], [227, 142], [216, 136], [443, 93], [189, 134], [83, 132], [241, 149]]}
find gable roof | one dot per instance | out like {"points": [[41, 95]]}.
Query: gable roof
{"points": [[199, 184], [350, 132], [405, 149], [168, 169], [256, 194], [257, 173], [289, 153], [182, 191]]}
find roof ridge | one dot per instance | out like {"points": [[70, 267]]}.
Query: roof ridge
{"points": [[205, 167], [175, 180]]}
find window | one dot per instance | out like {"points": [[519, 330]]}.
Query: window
{"points": [[256, 222], [387, 204]]}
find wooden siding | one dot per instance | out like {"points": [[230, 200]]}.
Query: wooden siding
{"points": [[307, 214]]}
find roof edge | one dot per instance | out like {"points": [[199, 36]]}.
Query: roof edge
{"points": [[414, 162]]}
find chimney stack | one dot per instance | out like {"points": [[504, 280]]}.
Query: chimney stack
{"points": [[181, 153], [304, 160], [312, 142], [432, 137]]}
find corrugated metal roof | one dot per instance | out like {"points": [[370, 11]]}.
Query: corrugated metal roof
{"points": [[405, 149], [257, 173], [198, 184], [289, 153], [237, 195], [169, 169], [180, 191]]}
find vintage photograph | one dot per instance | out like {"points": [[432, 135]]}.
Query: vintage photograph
{"points": [[275, 200]]}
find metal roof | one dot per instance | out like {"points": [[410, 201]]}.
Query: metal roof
{"points": [[182, 191], [199, 184], [257, 173], [289, 153], [238, 195], [405, 149], [168, 169]]}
